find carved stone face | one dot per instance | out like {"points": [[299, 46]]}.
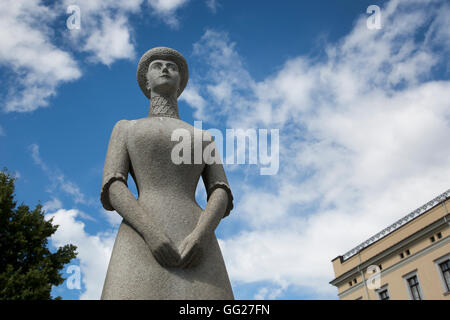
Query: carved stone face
{"points": [[163, 77]]}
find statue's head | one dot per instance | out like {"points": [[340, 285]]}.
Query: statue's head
{"points": [[162, 70]]}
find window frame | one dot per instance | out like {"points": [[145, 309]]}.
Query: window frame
{"points": [[383, 289], [437, 262], [406, 278]]}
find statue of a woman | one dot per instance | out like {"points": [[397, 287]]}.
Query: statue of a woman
{"points": [[165, 247]]}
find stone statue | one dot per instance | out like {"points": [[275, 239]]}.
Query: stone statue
{"points": [[165, 247]]}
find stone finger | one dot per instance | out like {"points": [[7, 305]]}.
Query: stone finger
{"points": [[186, 259], [161, 258], [172, 255], [182, 246], [195, 260]]}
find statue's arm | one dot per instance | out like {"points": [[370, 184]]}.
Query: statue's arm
{"points": [[191, 249], [124, 202], [213, 213], [219, 204], [115, 195]]}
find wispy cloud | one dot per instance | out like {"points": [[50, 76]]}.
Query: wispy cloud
{"points": [[94, 251], [38, 66], [166, 10], [105, 31], [60, 182], [363, 141], [213, 5], [29, 50], [192, 96], [114, 219], [52, 205], [270, 293]]}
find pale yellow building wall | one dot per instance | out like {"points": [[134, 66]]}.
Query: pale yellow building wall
{"points": [[427, 272], [394, 258], [356, 294], [414, 247]]}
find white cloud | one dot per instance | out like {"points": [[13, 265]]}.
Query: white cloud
{"points": [[28, 48], [212, 5], [227, 81], [94, 251], [166, 5], [270, 293], [38, 66], [105, 30], [192, 97], [29, 51], [34, 148], [364, 140], [166, 10], [113, 218], [60, 182], [111, 41], [52, 205]]}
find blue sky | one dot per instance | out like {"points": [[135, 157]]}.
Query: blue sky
{"points": [[363, 117]]}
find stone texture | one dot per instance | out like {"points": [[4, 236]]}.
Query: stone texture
{"points": [[165, 247]]}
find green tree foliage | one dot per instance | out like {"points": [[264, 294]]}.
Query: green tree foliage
{"points": [[28, 269]]}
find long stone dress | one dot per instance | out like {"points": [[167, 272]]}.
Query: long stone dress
{"points": [[143, 147]]}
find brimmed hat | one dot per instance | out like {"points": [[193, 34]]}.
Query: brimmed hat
{"points": [[162, 53]]}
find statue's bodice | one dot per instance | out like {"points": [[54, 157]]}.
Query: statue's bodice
{"points": [[165, 188], [150, 148], [167, 194]]}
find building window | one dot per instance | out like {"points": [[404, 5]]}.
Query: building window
{"points": [[445, 269], [407, 252], [414, 289], [383, 295], [432, 239], [350, 283], [402, 255], [355, 281], [439, 235]]}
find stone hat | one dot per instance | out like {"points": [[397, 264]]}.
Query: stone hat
{"points": [[162, 53]]}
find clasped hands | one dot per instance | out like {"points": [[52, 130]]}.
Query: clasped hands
{"points": [[187, 255]]}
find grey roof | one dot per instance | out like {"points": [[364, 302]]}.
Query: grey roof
{"points": [[383, 233]]}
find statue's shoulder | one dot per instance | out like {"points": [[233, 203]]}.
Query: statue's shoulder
{"points": [[122, 125]]}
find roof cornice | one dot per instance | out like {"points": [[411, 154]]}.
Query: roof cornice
{"points": [[398, 224]]}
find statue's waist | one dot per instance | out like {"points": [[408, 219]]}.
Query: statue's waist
{"points": [[165, 202], [166, 195]]}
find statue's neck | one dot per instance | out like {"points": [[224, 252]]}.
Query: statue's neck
{"points": [[161, 106]]}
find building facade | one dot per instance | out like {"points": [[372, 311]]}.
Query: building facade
{"points": [[408, 260]]}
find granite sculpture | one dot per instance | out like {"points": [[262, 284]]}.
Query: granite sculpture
{"points": [[165, 247]]}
